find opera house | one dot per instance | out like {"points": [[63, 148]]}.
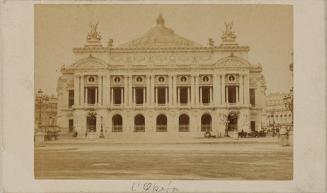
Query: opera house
{"points": [[160, 84]]}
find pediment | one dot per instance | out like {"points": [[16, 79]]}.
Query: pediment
{"points": [[233, 61], [90, 63]]}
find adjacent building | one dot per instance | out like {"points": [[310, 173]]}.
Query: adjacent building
{"points": [[277, 114], [160, 84], [45, 110]]}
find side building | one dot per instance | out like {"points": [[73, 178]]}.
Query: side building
{"points": [[160, 84], [277, 115], [45, 110]]}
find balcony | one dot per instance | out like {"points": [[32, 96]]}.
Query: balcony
{"points": [[117, 128], [206, 127], [139, 128], [161, 128], [183, 128]]}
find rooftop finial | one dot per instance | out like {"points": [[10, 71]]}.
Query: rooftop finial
{"points": [[160, 20], [229, 34], [94, 34]]}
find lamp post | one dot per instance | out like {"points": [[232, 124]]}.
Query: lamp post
{"points": [[39, 134]]}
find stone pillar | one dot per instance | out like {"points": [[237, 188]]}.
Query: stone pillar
{"points": [[246, 89], [170, 89], [144, 97], [200, 95], [130, 91], [82, 90], [76, 90], [215, 84], [122, 95], [174, 92], [96, 95], [148, 96], [237, 97], [100, 97], [166, 92], [86, 93], [192, 95], [211, 95], [106, 90], [152, 90], [112, 96], [177, 95], [189, 95], [223, 90], [126, 90], [242, 89], [197, 89], [155, 96]]}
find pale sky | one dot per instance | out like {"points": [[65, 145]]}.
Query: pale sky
{"points": [[266, 29]]}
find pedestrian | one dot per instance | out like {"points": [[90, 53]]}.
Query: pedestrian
{"points": [[283, 136]]}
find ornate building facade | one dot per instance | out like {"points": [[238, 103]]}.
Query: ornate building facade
{"points": [[277, 115], [160, 84], [45, 110]]}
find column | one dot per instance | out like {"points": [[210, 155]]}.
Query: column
{"points": [[152, 100], [155, 96], [125, 90], [192, 95], [177, 95], [130, 91], [86, 95], [170, 89], [144, 97], [112, 96], [96, 95], [100, 98], [242, 89], [210, 94], [134, 96], [223, 90], [189, 95], [166, 92], [200, 96], [121, 95], [215, 89], [76, 90], [237, 97], [173, 93], [82, 90], [106, 90], [197, 89], [148, 96], [246, 89], [226, 91]]}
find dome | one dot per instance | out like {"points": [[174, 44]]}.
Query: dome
{"points": [[160, 36]]}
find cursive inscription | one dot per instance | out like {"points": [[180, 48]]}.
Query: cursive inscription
{"points": [[153, 187]]}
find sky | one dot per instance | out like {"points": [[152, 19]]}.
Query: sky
{"points": [[266, 29]]}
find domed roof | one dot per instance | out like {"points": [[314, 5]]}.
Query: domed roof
{"points": [[160, 36]]}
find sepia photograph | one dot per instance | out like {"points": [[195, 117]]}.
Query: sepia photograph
{"points": [[163, 92]]}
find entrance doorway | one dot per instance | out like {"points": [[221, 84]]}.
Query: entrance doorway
{"points": [[91, 122], [232, 122]]}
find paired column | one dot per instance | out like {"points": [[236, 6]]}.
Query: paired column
{"points": [[148, 96], [125, 93], [197, 90], [215, 86], [82, 90], [223, 89], [130, 90], [170, 89], [76, 89], [174, 90]]}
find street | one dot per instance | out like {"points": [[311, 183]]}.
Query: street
{"points": [[223, 161]]}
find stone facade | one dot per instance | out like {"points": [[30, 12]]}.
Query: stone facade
{"points": [[277, 115], [45, 110], [160, 84]]}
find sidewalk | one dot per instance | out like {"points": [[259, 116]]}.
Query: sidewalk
{"points": [[225, 140]]}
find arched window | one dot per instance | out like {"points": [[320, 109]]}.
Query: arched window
{"points": [[117, 123], [184, 122], [139, 123], [206, 122], [161, 123]]}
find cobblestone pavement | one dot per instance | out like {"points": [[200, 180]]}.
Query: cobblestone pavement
{"points": [[224, 161]]}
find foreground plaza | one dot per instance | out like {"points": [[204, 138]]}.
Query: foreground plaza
{"points": [[204, 159], [160, 84]]}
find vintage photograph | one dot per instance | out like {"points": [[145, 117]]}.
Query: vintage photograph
{"points": [[163, 92]]}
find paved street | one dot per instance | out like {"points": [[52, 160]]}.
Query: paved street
{"points": [[225, 161]]}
